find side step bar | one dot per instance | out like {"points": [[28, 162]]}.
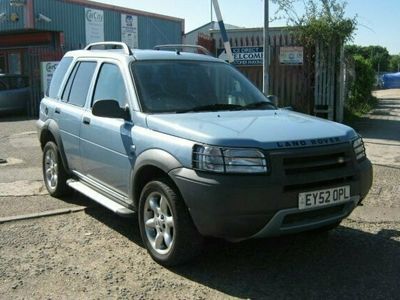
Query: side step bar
{"points": [[100, 198]]}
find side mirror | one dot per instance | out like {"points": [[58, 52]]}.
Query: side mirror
{"points": [[273, 99], [110, 109]]}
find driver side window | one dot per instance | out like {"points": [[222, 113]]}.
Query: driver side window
{"points": [[110, 85]]}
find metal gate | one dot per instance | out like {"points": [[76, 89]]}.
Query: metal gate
{"points": [[34, 56]]}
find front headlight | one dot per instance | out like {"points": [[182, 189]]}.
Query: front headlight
{"points": [[228, 160], [359, 149]]}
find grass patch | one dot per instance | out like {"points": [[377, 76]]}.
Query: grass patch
{"points": [[353, 113]]}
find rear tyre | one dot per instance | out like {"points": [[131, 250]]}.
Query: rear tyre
{"points": [[165, 225], [54, 175]]}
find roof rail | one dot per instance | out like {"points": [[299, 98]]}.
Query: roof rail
{"points": [[111, 45], [176, 47]]}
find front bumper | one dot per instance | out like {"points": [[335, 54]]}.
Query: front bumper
{"points": [[245, 206]]}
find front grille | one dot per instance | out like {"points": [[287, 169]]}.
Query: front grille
{"points": [[315, 163], [314, 168], [314, 215]]}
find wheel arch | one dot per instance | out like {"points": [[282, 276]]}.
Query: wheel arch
{"points": [[51, 132], [149, 165]]}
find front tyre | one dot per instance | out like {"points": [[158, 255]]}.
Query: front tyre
{"points": [[165, 225], [54, 174]]}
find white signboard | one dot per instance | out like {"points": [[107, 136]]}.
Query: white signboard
{"points": [[291, 55], [244, 56], [47, 69], [94, 24], [129, 30]]}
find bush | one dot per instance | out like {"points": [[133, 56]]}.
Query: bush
{"points": [[360, 99]]}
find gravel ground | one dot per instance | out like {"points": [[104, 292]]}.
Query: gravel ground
{"points": [[98, 255]]}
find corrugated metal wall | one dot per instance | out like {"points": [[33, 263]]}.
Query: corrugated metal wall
{"points": [[6, 24], [70, 19], [153, 31]]}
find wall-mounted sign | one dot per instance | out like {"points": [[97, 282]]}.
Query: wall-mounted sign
{"points": [[291, 55], [94, 24], [129, 30], [244, 56], [47, 69]]}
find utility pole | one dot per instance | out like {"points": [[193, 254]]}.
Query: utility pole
{"points": [[266, 49]]}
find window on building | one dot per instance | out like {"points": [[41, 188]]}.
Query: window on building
{"points": [[110, 85]]}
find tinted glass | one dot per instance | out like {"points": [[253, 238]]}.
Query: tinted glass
{"points": [[176, 86], [67, 89], [58, 76], [81, 83], [110, 85]]}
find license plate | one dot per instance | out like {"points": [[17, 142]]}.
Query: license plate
{"points": [[324, 197]]}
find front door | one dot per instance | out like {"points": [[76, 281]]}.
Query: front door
{"points": [[106, 142]]}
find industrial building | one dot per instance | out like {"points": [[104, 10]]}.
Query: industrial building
{"points": [[35, 32]]}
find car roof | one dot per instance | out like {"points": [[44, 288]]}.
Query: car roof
{"points": [[141, 55]]}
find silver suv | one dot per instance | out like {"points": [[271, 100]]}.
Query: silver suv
{"points": [[187, 142]]}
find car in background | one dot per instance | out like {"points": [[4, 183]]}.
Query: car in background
{"points": [[14, 93]]}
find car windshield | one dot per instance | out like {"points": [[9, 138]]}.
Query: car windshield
{"points": [[192, 86]]}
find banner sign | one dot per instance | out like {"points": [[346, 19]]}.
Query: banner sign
{"points": [[47, 69], [244, 56], [129, 30], [94, 24], [291, 55]]}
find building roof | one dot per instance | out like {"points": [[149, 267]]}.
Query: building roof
{"points": [[99, 5], [212, 26]]}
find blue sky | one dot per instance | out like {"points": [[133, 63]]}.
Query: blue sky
{"points": [[379, 20]]}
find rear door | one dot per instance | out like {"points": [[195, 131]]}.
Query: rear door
{"points": [[106, 143], [69, 111]]}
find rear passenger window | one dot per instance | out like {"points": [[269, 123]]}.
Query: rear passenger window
{"points": [[110, 85], [58, 77], [78, 83]]}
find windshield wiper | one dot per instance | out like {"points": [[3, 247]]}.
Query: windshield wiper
{"points": [[211, 107], [259, 104]]}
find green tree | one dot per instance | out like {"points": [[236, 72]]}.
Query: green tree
{"points": [[324, 21], [360, 100], [394, 65], [378, 56]]}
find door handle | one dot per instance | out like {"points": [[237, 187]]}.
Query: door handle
{"points": [[57, 110], [86, 120]]}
